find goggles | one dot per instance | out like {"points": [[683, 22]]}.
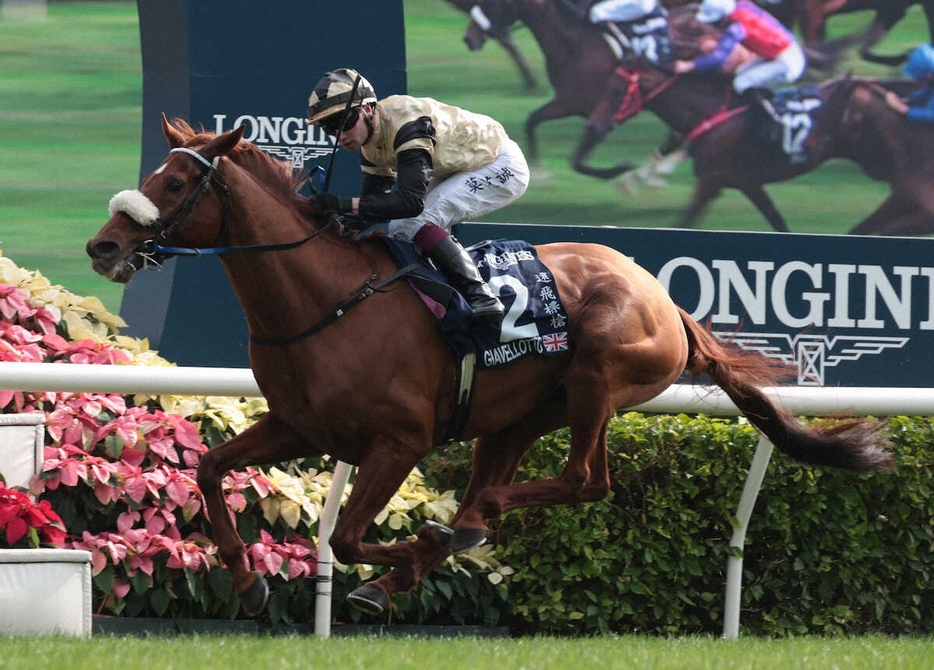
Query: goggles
{"points": [[333, 125]]}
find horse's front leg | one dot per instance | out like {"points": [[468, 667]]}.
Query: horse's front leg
{"points": [[382, 470], [496, 459], [267, 441]]}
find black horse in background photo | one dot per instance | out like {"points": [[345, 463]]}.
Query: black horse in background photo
{"points": [[503, 35]]}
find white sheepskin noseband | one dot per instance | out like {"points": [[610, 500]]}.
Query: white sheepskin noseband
{"points": [[135, 205]]}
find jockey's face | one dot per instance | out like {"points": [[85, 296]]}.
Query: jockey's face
{"points": [[356, 135]]}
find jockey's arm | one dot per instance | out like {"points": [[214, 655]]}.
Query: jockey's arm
{"points": [[718, 56], [414, 170]]}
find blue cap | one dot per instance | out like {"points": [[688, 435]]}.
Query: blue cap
{"points": [[920, 62]]}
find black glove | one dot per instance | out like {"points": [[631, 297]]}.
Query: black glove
{"points": [[328, 203]]}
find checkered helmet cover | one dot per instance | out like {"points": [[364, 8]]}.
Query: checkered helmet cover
{"points": [[332, 92]]}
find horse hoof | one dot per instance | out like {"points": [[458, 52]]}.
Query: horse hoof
{"points": [[253, 600], [465, 539], [370, 599], [441, 533]]}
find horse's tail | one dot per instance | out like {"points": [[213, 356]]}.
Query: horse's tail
{"points": [[853, 444]]}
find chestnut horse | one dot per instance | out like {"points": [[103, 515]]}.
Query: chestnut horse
{"points": [[374, 386], [728, 152]]}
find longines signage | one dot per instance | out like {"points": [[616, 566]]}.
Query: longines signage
{"points": [[219, 64], [843, 310]]}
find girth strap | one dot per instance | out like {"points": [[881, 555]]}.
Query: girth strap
{"points": [[466, 375]]}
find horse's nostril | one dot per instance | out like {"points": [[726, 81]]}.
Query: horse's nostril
{"points": [[101, 248]]}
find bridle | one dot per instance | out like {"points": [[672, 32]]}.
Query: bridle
{"points": [[635, 101], [154, 251]]}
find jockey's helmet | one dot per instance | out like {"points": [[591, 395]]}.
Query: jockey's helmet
{"points": [[712, 11], [333, 92], [920, 62]]}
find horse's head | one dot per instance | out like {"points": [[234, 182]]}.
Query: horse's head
{"points": [[182, 203], [488, 18]]}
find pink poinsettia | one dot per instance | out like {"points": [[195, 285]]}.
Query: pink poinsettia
{"points": [[296, 554]]}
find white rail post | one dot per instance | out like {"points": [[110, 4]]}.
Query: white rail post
{"points": [[734, 565], [324, 583]]}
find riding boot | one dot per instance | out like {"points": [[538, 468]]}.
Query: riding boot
{"points": [[455, 263], [760, 97]]}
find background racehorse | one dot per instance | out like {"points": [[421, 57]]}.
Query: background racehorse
{"points": [[580, 65], [812, 18], [729, 152], [503, 35], [374, 385], [578, 60]]}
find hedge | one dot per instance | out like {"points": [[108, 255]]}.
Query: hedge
{"points": [[827, 551]]}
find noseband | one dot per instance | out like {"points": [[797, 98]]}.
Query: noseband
{"points": [[154, 249]]}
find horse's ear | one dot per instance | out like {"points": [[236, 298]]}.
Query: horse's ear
{"points": [[223, 143], [172, 134]]}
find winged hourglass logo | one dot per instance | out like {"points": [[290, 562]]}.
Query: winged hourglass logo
{"points": [[812, 354]]}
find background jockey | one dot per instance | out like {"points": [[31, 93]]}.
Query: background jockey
{"points": [[777, 56], [426, 166], [919, 106], [640, 26]]}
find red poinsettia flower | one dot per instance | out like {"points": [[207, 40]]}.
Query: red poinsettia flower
{"points": [[22, 519]]}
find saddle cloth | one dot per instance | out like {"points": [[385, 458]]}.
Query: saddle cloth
{"points": [[787, 128], [535, 322]]}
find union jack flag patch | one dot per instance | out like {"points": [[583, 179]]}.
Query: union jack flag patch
{"points": [[555, 342]]}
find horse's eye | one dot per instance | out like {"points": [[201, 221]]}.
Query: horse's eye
{"points": [[174, 185]]}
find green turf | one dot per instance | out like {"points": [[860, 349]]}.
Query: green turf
{"points": [[70, 114], [687, 653]]}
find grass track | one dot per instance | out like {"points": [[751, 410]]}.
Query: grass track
{"points": [[687, 653]]}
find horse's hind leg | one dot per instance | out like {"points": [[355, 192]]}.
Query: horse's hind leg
{"points": [[267, 441], [884, 218], [495, 461]]}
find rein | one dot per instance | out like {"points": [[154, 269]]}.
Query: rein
{"points": [[347, 303], [635, 102], [181, 213]]}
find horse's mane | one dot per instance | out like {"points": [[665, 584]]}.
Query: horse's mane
{"points": [[276, 174]]}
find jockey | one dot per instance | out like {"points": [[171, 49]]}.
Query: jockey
{"points": [[919, 106], [638, 25], [426, 166], [777, 56]]}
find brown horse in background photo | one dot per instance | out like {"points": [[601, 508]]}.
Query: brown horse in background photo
{"points": [[580, 64], [729, 151], [503, 35], [812, 16], [375, 385]]}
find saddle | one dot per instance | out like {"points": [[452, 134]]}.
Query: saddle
{"points": [[535, 322]]}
